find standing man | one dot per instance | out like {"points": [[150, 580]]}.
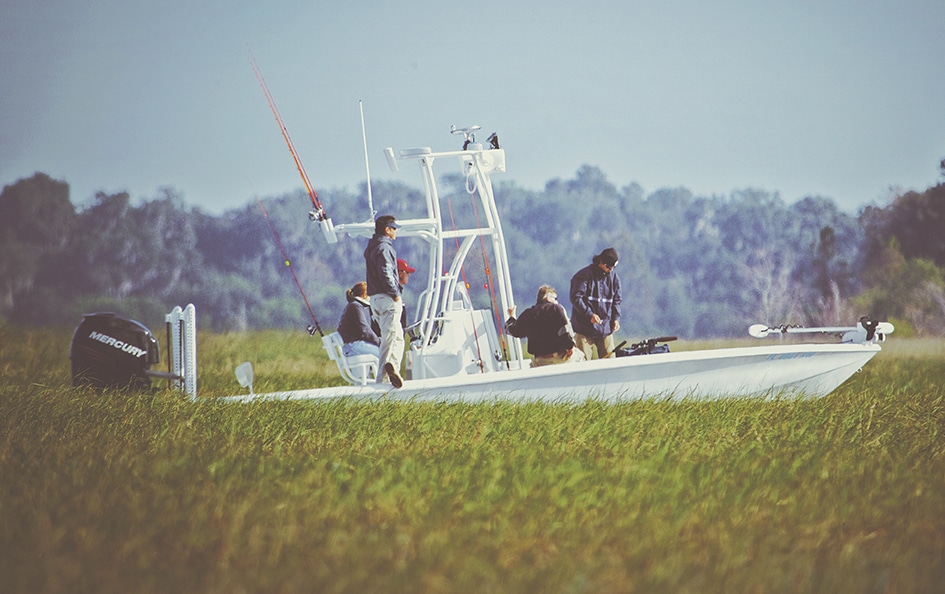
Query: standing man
{"points": [[380, 260], [595, 305]]}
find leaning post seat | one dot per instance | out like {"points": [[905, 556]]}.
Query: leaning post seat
{"points": [[357, 370]]}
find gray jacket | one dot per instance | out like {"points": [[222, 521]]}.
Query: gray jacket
{"points": [[380, 261]]}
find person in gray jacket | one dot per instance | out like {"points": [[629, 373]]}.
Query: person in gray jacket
{"points": [[595, 305], [383, 290]]}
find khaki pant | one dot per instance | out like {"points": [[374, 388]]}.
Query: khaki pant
{"points": [[555, 358], [387, 312], [604, 346]]}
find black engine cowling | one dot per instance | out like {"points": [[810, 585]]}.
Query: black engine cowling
{"points": [[109, 351]]}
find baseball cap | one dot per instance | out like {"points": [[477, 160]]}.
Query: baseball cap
{"points": [[402, 266]]}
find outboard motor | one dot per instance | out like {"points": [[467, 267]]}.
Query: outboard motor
{"points": [[109, 351]]}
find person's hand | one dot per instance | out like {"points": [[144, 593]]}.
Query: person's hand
{"points": [[511, 311], [616, 325], [595, 319]]}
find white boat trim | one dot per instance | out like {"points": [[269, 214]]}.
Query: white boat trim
{"points": [[763, 371]]}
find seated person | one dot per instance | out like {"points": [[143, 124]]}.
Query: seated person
{"points": [[359, 332], [547, 328]]}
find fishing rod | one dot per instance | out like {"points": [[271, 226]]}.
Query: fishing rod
{"points": [[311, 328], [319, 212], [498, 316], [466, 285]]}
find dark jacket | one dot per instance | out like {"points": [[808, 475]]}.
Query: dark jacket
{"points": [[594, 291], [380, 261], [545, 325], [356, 324]]}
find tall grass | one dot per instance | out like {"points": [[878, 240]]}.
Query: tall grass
{"points": [[116, 492]]}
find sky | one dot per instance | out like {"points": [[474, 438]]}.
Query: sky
{"points": [[842, 99]]}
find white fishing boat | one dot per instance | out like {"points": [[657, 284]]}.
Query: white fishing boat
{"points": [[458, 352]]}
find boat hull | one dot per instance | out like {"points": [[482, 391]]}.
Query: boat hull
{"points": [[811, 370]]}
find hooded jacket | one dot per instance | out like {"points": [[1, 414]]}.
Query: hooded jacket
{"points": [[594, 291]]}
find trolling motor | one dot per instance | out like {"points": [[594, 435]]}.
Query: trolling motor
{"points": [[650, 346], [866, 330], [109, 351]]}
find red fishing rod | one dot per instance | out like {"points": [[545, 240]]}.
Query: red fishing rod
{"points": [[312, 328], [319, 212]]}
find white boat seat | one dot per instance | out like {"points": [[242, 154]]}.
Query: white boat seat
{"points": [[357, 370]]}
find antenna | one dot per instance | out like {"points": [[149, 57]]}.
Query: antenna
{"points": [[469, 134], [367, 165]]}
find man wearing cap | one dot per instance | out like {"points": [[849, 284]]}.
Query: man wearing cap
{"points": [[380, 260], [595, 305], [404, 271]]}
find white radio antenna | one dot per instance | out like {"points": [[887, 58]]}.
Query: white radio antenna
{"points": [[367, 165]]}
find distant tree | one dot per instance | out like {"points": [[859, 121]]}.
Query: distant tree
{"points": [[915, 220], [121, 250], [757, 235], [96, 258], [904, 260], [165, 247], [910, 292], [36, 220], [828, 247], [694, 266], [122, 257]]}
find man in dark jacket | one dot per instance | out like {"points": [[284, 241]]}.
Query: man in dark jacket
{"points": [[380, 260], [595, 305], [546, 326]]}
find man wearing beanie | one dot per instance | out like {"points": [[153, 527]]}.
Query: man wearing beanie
{"points": [[595, 305]]}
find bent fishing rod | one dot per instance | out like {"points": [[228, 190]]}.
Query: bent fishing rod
{"points": [[315, 326], [319, 212]]}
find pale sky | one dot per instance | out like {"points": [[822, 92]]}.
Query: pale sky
{"points": [[843, 99]]}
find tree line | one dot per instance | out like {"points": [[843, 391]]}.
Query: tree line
{"points": [[692, 266]]}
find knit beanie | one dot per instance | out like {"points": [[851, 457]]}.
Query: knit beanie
{"points": [[608, 256]]}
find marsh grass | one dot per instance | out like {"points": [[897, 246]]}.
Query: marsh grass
{"points": [[113, 492]]}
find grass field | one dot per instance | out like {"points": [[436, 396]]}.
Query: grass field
{"points": [[111, 492]]}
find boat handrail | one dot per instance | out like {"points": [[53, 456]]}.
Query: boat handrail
{"points": [[425, 228], [423, 153], [468, 232]]}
